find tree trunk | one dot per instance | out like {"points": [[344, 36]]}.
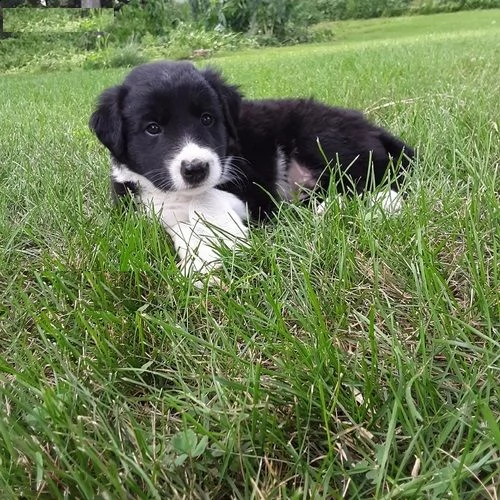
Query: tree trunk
{"points": [[91, 4]]}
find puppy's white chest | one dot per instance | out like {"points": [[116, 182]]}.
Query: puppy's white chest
{"points": [[198, 222], [214, 206], [199, 225]]}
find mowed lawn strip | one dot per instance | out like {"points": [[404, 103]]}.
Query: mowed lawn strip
{"points": [[348, 354]]}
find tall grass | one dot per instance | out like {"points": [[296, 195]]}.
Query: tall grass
{"points": [[342, 355]]}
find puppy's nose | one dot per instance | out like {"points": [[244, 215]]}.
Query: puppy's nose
{"points": [[194, 171]]}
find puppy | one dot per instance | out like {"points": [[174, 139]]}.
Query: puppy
{"points": [[203, 159]]}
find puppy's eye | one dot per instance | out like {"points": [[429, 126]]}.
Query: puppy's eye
{"points": [[207, 119], [153, 129]]}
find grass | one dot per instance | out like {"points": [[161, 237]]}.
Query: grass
{"points": [[56, 20], [411, 26], [344, 355]]}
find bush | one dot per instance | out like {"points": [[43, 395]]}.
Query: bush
{"points": [[187, 39], [207, 13], [156, 17], [118, 57], [126, 57], [273, 20]]}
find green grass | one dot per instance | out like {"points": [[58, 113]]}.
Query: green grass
{"points": [[56, 20], [411, 26], [343, 354]]}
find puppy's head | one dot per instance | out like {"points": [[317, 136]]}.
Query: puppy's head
{"points": [[170, 124]]}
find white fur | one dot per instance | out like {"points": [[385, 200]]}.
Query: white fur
{"points": [[191, 151], [199, 222], [389, 201]]}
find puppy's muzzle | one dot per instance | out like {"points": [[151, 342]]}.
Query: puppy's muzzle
{"points": [[194, 171]]}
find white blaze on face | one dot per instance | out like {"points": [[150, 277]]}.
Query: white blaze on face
{"points": [[193, 152]]}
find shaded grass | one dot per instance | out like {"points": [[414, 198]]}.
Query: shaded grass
{"points": [[344, 354]]}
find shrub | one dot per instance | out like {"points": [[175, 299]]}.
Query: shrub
{"points": [[118, 57], [126, 57], [186, 39], [273, 20], [136, 19]]}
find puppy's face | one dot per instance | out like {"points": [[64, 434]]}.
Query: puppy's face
{"points": [[170, 124], [175, 133]]}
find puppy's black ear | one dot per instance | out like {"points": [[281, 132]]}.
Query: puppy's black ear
{"points": [[107, 123], [230, 98]]}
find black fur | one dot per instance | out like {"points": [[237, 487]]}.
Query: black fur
{"points": [[107, 121], [174, 94]]}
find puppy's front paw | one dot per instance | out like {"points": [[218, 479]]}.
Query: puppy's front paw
{"points": [[200, 271], [192, 264]]}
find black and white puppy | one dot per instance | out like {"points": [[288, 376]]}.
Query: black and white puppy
{"points": [[203, 159]]}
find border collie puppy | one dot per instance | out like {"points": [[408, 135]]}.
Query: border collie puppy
{"points": [[195, 153]]}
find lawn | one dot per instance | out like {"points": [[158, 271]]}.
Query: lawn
{"points": [[343, 355]]}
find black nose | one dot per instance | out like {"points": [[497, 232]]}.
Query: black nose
{"points": [[194, 171]]}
